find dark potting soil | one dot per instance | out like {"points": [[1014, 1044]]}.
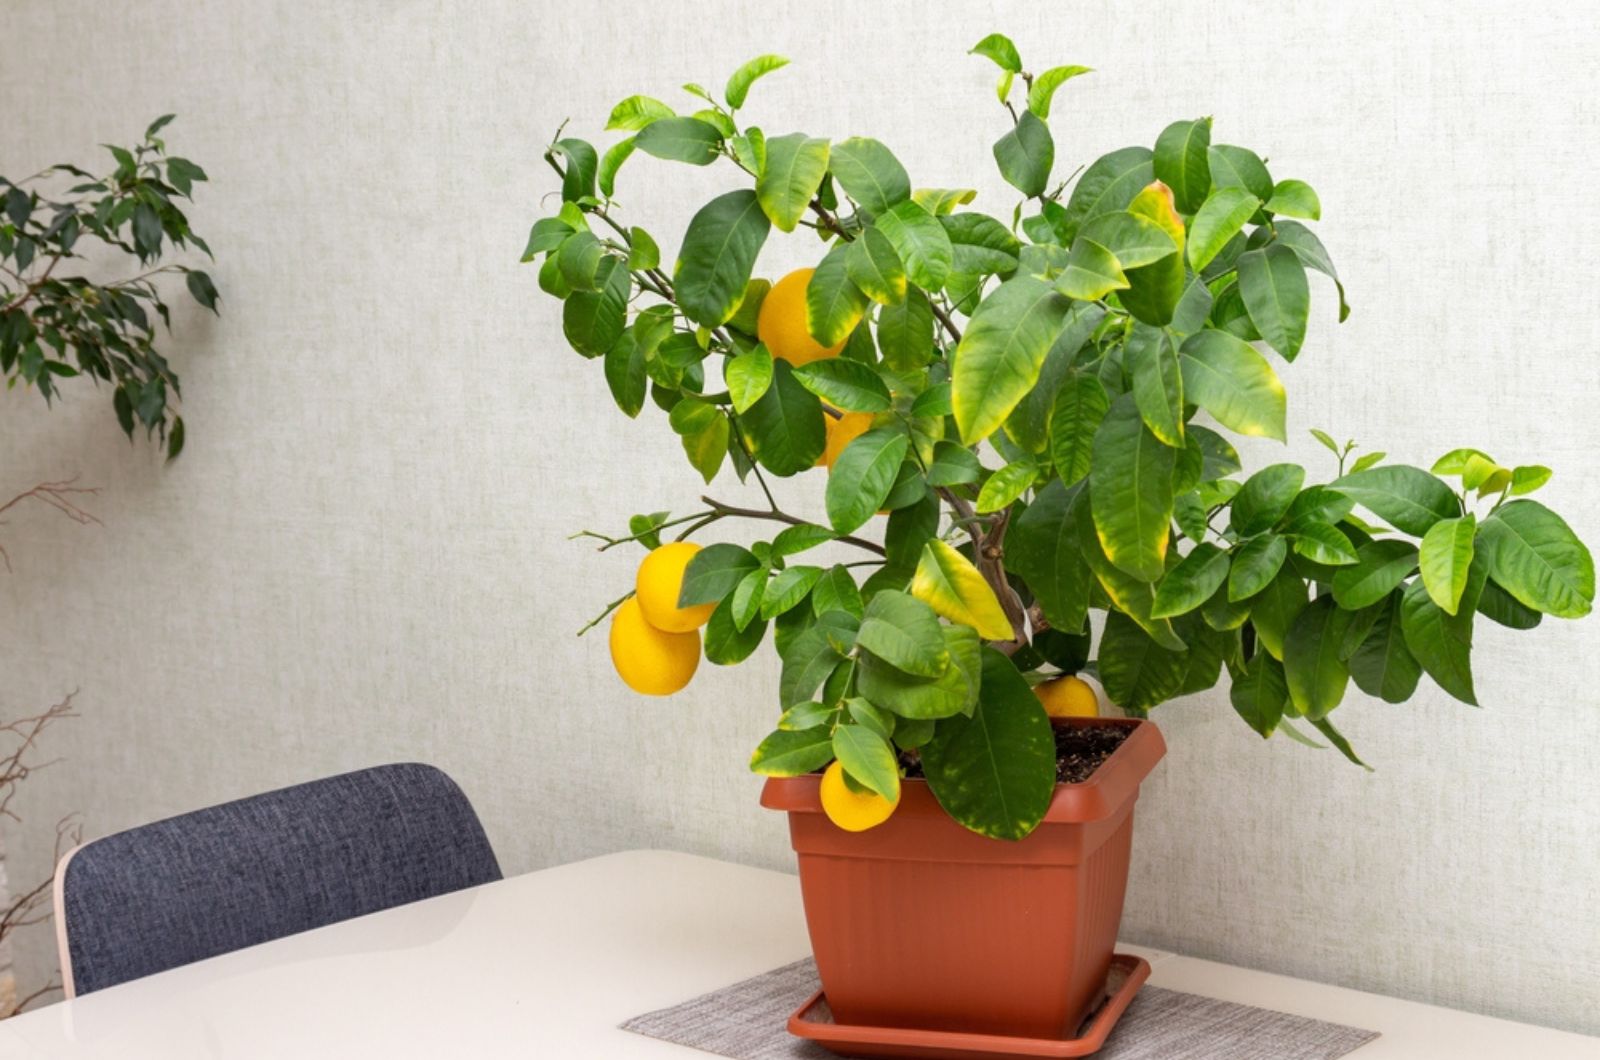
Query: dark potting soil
{"points": [[1079, 751]]}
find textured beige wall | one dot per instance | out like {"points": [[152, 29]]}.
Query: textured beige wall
{"points": [[363, 555]]}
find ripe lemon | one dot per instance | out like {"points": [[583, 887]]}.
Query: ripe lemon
{"points": [[849, 810], [841, 432], [1068, 697], [649, 661], [782, 322], [658, 584]]}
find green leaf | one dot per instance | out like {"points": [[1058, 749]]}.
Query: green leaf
{"points": [[204, 292], [1255, 564], [995, 771], [1005, 486], [793, 754], [1500, 606], [1528, 478], [870, 174], [1273, 284], [725, 642], [905, 333], [719, 252], [1294, 198], [1274, 609], [1534, 555], [1192, 582], [1137, 673], [904, 632], [847, 385], [1045, 85], [1130, 485], [1152, 360], [875, 267], [1316, 673], [1260, 692], [708, 445], [714, 572], [980, 244], [1181, 162], [1366, 460], [1379, 568], [635, 112], [787, 589], [836, 591], [953, 692], [612, 161], [811, 656], [868, 758], [1322, 542], [1080, 406], [744, 605], [795, 167], [1442, 642], [807, 715], [1219, 219], [1324, 726], [1155, 290], [644, 254], [1237, 167], [1265, 498], [547, 234], [1133, 239], [998, 47], [1092, 272], [1312, 254], [863, 476], [1383, 666], [1407, 498], [784, 428], [748, 376], [739, 84], [593, 320], [578, 180], [1235, 384], [680, 140], [1043, 549], [1110, 183], [921, 243], [799, 538], [581, 258], [998, 359], [941, 201], [949, 583], [1025, 155], [834, 304], [1445, 559], [953, 465]]}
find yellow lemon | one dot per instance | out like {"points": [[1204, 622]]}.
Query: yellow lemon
{"points": [[649, 661], [849, 810], [782, 322], [1068, 697], [658, 584], [841, 432]]}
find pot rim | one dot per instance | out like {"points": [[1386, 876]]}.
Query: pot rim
{"points": [[1107, 791]]}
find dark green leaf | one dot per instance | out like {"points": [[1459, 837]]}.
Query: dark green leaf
{"points": [[1025, 155], [719, 252], [1181, 162], [1407, 498], [784, 427], [1273, 284], [1383, 666], [1265, 498], [681, 140], [870, 174]]}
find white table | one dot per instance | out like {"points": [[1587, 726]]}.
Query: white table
{"points": [[546, 965]]}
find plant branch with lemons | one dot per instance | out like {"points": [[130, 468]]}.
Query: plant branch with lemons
{"points": [[1021, 420]]}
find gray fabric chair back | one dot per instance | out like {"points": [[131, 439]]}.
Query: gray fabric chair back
{"points": [[246, 872]]}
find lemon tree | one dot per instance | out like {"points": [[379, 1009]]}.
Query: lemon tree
{"points": [[1019, 416]]}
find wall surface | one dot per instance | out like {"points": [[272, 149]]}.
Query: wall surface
{"points": [[363, 554]]}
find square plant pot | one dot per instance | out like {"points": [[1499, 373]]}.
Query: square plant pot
{"points": [[919, 923]]}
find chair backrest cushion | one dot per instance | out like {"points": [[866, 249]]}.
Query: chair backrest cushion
{"points": [[219, 879]]}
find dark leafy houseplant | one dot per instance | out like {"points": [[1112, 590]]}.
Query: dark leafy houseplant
{"points": [[1046, 395], [56, 322]]}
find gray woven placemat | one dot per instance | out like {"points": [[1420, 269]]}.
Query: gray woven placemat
{"points": [[746, 1021]]}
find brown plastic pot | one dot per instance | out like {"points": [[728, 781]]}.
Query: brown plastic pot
{"points": [[919, 923]]}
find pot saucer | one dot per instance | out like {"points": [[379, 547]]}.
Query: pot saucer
{"points": [[814, 1022]]}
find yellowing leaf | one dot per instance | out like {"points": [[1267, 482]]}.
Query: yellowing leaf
{"points": [[948, 582]]}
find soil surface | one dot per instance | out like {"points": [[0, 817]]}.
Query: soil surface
{"points": [[1079, 751]]}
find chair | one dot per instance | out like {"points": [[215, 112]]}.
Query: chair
{"points": [[246, 872]]}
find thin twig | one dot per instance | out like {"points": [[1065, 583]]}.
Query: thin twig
{"points": [[784, 517]]}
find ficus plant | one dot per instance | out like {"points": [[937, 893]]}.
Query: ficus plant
{"points": [[57, 322], [1040, 401]]}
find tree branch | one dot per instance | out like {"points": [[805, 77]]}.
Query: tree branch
{"points": [[774, 515]]}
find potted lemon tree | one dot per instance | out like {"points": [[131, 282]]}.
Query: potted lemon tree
{"points": [[1018, 420]]}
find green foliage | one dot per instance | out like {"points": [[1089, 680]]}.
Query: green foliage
{"points": [[1040, 397], [57, 323]]}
